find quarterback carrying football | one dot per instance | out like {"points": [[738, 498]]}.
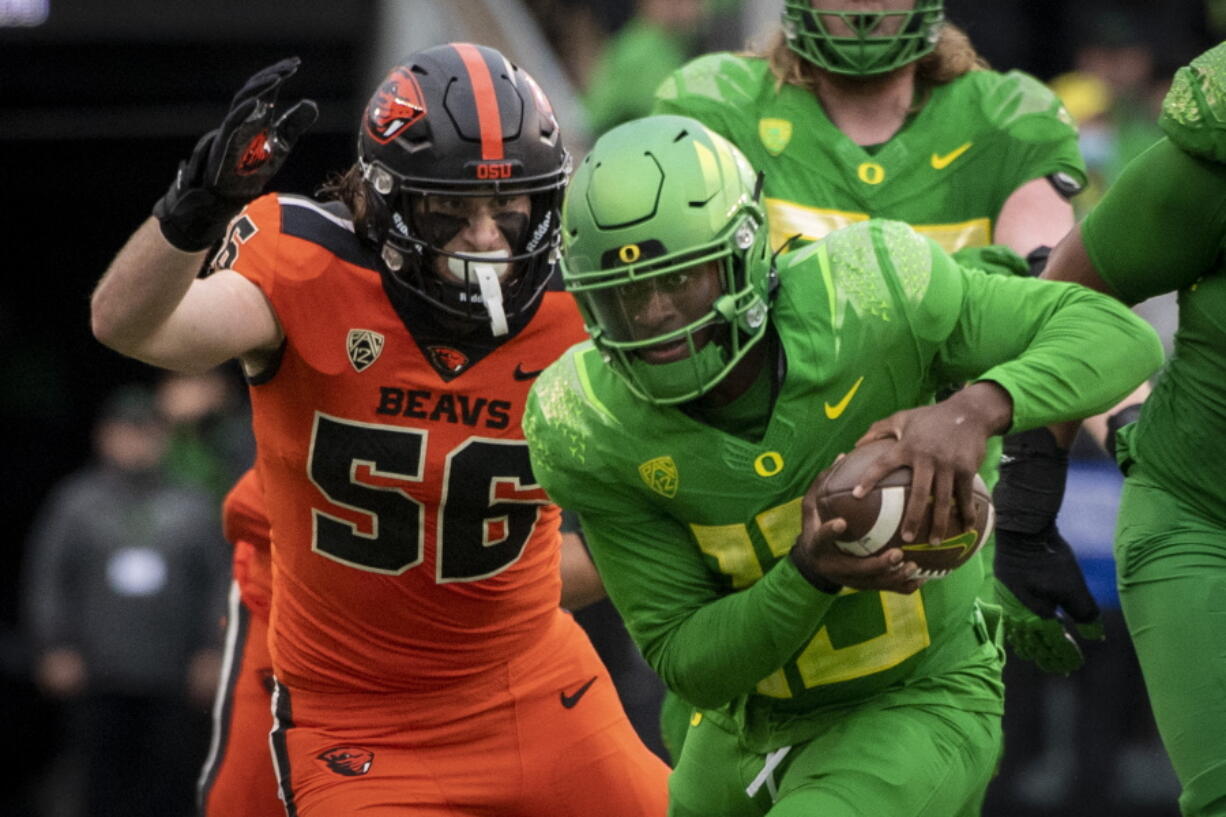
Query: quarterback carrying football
{"points": [[861, 109], [717, 384]]}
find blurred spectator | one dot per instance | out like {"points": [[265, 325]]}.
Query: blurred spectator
{"points": [[1215, 17], [1114, 93], [210, 443], [1114, 96], [1088, 100], [123, 590], [1116, 52], [660, 38], [578, 30]]}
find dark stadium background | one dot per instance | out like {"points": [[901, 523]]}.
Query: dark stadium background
{"points": [[99, 103]]}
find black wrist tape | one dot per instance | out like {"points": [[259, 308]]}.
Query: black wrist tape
{"points": [[1033, 470]]}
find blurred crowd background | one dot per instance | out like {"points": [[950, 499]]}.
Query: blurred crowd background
{"points": [[99, 101]]}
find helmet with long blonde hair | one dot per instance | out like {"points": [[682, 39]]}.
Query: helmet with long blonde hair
{"points": [[862, 43], [953, 56]]}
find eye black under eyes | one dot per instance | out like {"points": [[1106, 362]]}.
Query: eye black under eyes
{"points": [[437, 229]]}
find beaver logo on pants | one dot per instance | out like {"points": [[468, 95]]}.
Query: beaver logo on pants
{"points": [[349, 761]]}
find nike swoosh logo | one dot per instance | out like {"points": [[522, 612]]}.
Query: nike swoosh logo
{"points": [[569, 701], [942, 162], [963, 541], [836, 411], [520, 374]]}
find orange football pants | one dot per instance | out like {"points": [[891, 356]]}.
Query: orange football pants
{"points": [[544, 735], [238, 777]]}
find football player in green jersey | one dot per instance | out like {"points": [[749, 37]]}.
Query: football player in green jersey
{"points": [[882, 108], [864, 109], [861, 109], [1162, 228], [719, 381]]}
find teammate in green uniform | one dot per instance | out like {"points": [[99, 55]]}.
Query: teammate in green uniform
{"points": [[717, 385], [1162, 228], [863, 109], [898, 118]]}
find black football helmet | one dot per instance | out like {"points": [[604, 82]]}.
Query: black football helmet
{"points": [[461, 120]]}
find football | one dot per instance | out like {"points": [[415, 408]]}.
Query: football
{"points": [[873, 521]]}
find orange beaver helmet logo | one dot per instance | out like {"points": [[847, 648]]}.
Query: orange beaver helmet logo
{"points": [[254, 155], [349, 761], [449, 360], [395, 106]]}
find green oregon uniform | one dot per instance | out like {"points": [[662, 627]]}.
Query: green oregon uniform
{"points": [[1162, 228], [689, 525], [947, 173]]}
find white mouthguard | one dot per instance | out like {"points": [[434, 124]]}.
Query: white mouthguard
{"points": [[491, 294], [455, 266], [489, 280]]}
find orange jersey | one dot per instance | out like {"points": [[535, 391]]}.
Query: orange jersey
{"points": [[244, 523], [412, 547]]}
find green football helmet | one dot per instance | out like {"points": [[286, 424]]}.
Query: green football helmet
{"points": [[874, 42], [665, 245]]}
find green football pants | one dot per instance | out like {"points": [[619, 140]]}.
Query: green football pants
{"points": [[1171, 571], [675, 716], [915, 761]]}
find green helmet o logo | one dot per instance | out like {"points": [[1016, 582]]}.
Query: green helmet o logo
{"points": [[629, 253]]}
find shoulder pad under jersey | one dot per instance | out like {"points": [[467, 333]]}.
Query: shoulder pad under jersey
{"points": [[1194, 111], [1010, 98], [722, 77]]}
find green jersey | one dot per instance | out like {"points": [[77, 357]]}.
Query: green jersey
{"points": [[689, 525], [1160, 228], [1174, 241], [947, 173]]}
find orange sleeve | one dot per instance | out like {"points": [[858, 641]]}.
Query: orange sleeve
{"points": [[243, 517]]}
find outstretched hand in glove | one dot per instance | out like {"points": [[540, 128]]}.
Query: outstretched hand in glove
{"points": [[231, 165]]}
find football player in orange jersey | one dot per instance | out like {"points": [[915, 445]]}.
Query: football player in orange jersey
{"points": [[238, 775], [390, 334]]}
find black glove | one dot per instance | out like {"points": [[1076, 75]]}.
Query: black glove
{"points": [[1039, 583], [231, 165]]}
